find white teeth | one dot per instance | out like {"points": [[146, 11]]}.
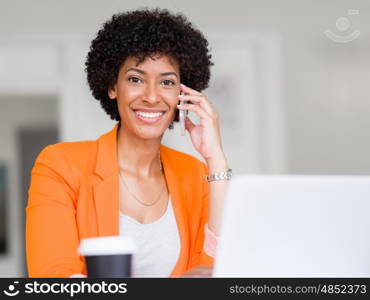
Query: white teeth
{"points": [[149, 115]]}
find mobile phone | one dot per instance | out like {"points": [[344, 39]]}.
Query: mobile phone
{"points": [[182, 116]]}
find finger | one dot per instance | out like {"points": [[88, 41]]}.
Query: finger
{"points": [[201, 100], [189, 125], [188, 90], [196, 109]]}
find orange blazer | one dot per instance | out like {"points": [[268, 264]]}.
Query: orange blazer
{"points": [[74, 195]]}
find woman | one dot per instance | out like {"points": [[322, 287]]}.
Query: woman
{"points": [[126, 182]]}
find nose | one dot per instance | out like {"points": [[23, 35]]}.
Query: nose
{"points": [[151, 94]]}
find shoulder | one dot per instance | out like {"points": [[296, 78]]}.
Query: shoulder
{"points": [[72, 151], [77, 154], [183, 161], [66, 160], [76, 158]]}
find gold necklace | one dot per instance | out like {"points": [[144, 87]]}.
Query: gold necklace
{"points": [[136, 198]]}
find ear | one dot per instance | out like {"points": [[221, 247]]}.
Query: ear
{"points": [[112, 92]]}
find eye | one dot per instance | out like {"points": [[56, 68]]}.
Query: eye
{"points": [[168, 82], [134, 79]]}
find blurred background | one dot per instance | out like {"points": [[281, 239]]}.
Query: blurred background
{"points": [[291, 82]]}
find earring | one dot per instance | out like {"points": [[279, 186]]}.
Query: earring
{"points": [[171, 126]]}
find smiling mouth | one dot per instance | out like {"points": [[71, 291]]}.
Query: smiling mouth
{"points": [[149, 116]]}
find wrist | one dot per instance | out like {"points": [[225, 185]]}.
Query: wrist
{"points": [[217, 163]]}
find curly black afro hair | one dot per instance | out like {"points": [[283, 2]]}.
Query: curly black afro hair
{"points": [[141, 34]]}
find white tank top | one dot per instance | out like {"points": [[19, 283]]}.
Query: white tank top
{"points": [[158, 244]]}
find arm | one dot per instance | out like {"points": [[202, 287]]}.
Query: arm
{"points": [[206, 138], [217, 192], [213, 200], [51, 229]]}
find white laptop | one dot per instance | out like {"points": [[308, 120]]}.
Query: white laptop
{"points": [[295, 226]]}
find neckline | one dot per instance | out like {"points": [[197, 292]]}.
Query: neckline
{"points": [[136, 222]]}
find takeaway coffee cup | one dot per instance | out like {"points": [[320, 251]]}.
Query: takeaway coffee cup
{"points": [[108, 256]]}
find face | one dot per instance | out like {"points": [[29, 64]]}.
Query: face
{"points": [[147, 95]]}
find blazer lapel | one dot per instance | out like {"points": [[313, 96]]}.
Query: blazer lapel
{"points": [[106, 190]]}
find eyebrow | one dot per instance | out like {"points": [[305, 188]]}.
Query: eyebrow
{"points": [[143, 72]]}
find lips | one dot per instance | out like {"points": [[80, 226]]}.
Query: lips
{"points": [[149, 116]]}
